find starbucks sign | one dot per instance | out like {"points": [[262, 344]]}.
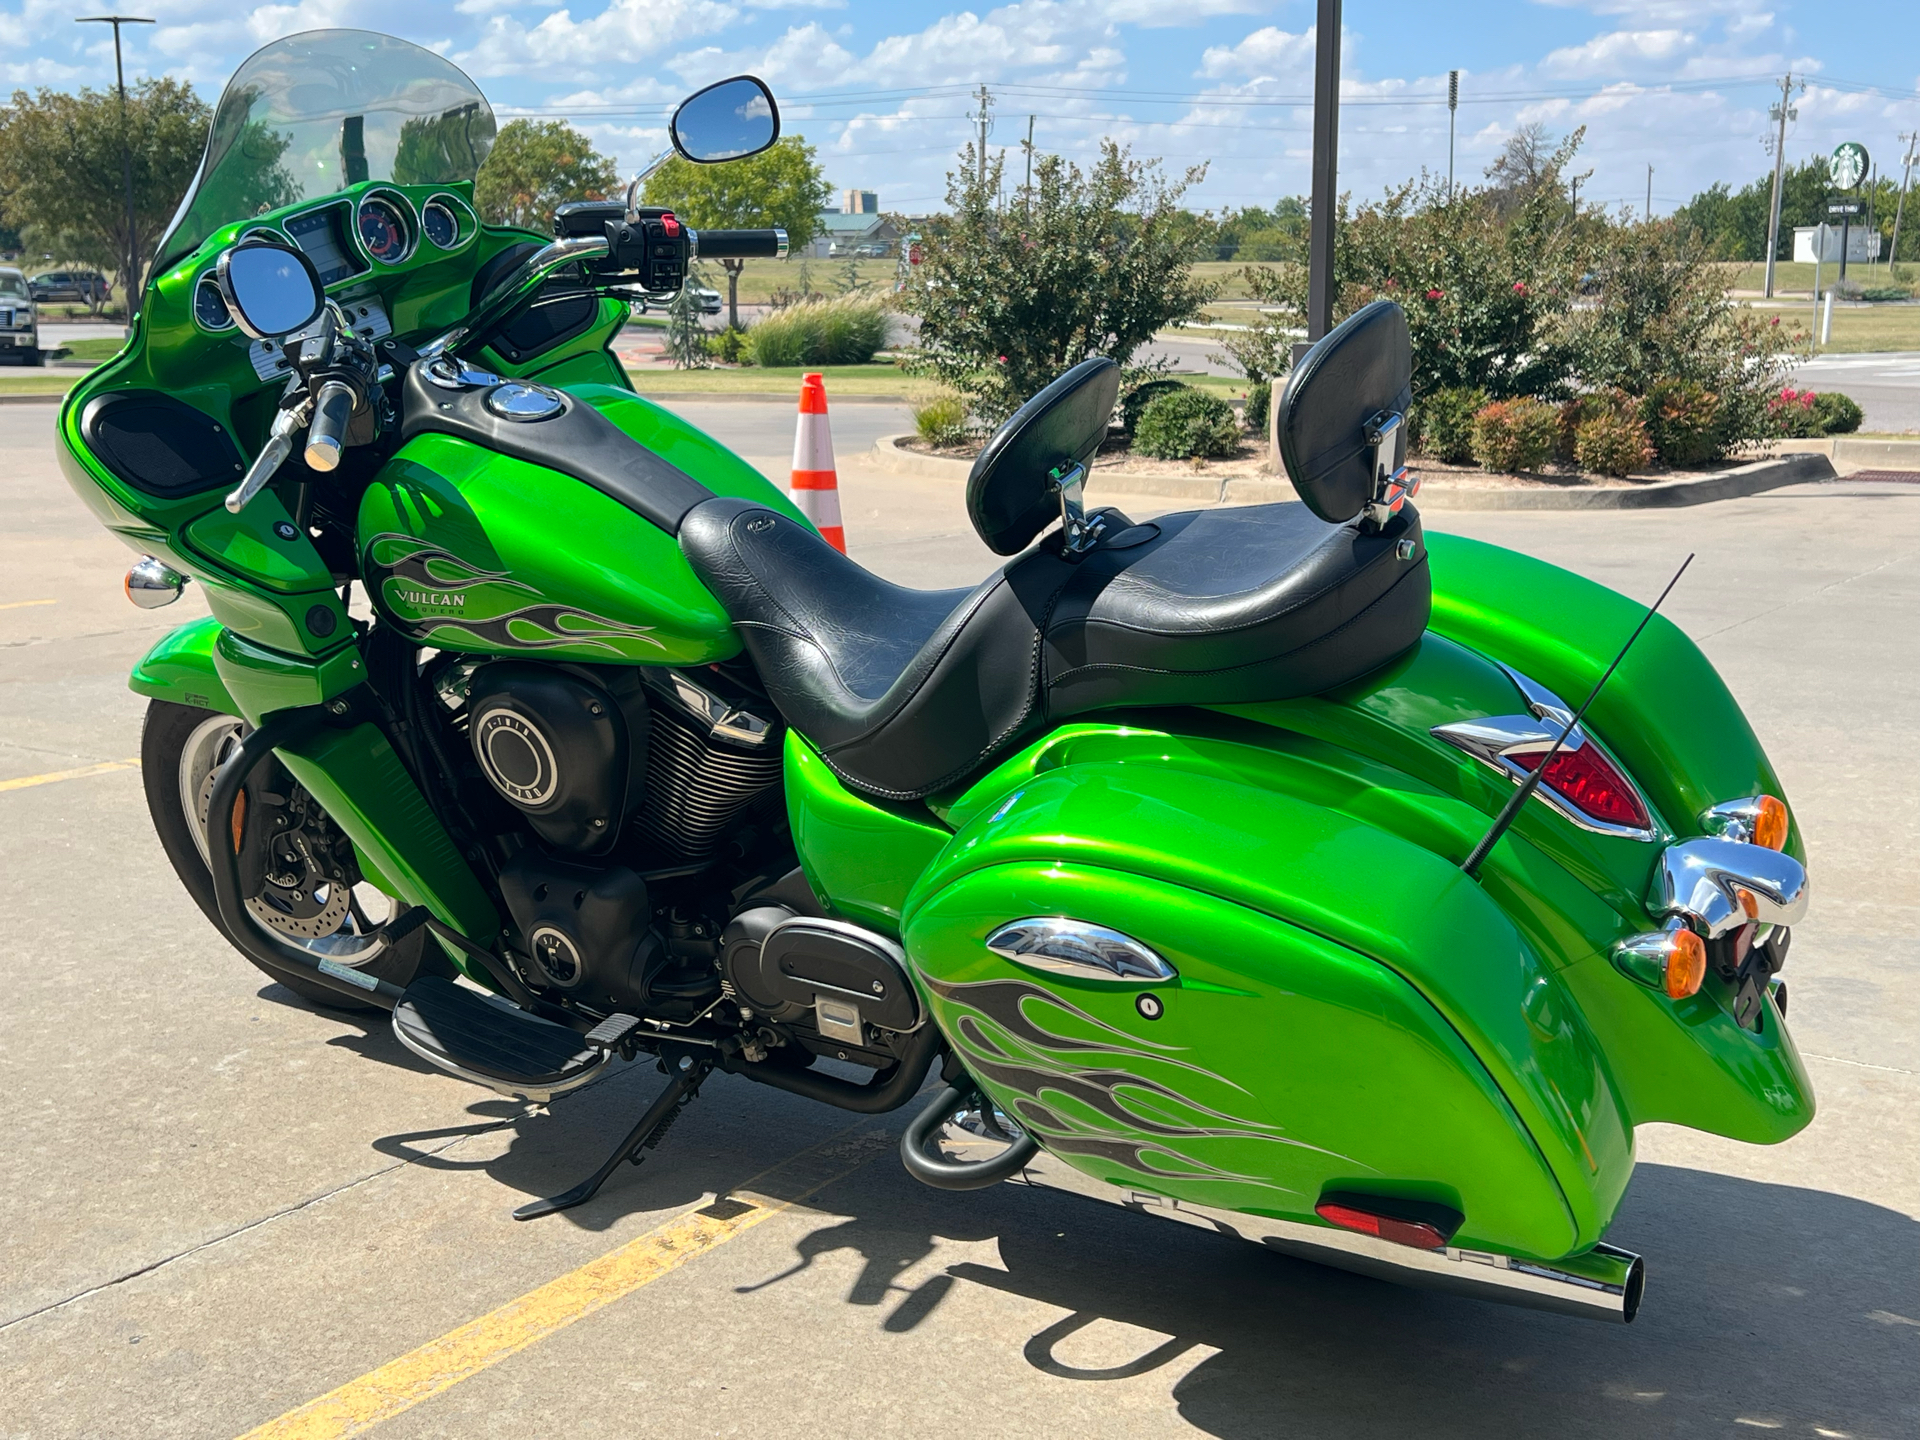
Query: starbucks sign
{"points": [[1848, 165]]}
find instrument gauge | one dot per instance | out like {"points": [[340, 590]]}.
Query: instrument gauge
{"points": [[383, 233], [210, 307], [441, 224]]}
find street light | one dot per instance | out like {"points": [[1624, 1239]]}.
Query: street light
{"points": [[128, 276]]}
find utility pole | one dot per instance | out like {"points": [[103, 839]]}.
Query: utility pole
{"points": [[1781, 113], [1649, 192], [1326, 168], [1453, 105], [129, 277], [1028, 192], [1900, 209], [983, 118]]}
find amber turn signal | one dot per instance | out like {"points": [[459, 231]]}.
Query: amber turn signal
{"points": [[1770, 823], [1686, 964]]}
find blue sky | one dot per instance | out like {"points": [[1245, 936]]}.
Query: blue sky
{"points": [[880, 89]]}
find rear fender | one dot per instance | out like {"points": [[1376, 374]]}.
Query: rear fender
{"points": [[1318, 876]]}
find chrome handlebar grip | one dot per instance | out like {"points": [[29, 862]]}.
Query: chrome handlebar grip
{"points": [[271, 457], [332, 413]]}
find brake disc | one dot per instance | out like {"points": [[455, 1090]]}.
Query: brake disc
{"points": [[300, 899]]}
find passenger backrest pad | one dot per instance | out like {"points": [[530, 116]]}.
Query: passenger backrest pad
{"points": [[1363, 366], [1010, 498]]}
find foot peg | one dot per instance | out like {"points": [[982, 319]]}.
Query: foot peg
{"points": [[491, 1042]]}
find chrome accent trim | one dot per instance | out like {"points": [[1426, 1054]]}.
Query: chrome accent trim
{"points": [[451, 373], [1540, 700], [1392, 486], [515, 287], [271, 457], [838, 1020], [211, 279], [1058, 945], [532, 1094], [466, 224], [525, 403], [1718, 885], [153, 583], [1732, 819], [1604, 1283], [724, 721], [1495, 739], [1076, 535], [780, 242], [641, 176]]}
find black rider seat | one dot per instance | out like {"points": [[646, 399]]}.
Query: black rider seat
{"points": [[907, 692]]}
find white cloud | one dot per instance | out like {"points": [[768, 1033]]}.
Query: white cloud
{"points": [[626, 33], [1621, 50], [1266, 52]]}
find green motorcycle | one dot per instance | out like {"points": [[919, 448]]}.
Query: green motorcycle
{"points": [[528, 712]]}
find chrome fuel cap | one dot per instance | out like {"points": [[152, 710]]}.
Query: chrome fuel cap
{"points": [[515, 401]]}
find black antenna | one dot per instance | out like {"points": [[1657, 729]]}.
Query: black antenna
{"points": [[1532, 782]]}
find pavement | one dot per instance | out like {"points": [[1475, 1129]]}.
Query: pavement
{"points": [[1886, 386], [224, 1205]]}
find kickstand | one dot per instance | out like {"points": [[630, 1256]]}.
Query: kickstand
{"points": [[652, 1128]]}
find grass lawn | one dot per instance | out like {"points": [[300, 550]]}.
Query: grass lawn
{"points": [[94, 348], [1789, 276], [887, 380], [26, 381], [1857, 330]]}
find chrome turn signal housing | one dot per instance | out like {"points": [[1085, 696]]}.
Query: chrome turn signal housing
{"points": [[152, 583], [1673, 960], [1757, 820]]}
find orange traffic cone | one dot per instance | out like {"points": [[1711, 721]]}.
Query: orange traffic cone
{"points": [[815, 489]]}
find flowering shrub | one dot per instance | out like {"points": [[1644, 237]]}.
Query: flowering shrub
{"points": [[1515, 434], [1683, 422], [1612, 442], [1804, 415]]}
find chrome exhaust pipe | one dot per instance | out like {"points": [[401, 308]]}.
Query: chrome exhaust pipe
{"points": [[1604, 1283]]}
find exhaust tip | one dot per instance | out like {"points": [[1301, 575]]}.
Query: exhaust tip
{"points": [[1632, 1290]]}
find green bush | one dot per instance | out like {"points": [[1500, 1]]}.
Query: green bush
{"points": [[1136, 399], [1683, 422], [1442, 424], [1513, 435], [1613, 442], [1582, 408], [1886, 292], [1837, 413], [1259, 402], [942, 421], [847, 330], [1184, 423], [730, 347]]}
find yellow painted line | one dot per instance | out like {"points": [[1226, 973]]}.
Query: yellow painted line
{"points": [[103, 768], [440, 1364], [23, 604]]}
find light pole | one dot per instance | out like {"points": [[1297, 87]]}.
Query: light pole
{"points": [[1783, 112], [129, 277], [1453, 104], [1326, 168], [1893, 255]]}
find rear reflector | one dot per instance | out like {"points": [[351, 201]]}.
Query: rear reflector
{"points": [[1414, 1233], [1587, 780]]}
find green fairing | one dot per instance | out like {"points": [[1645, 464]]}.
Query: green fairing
{"points": [[459, 547], [863, 855], [180, 668], [1284, 1065]]}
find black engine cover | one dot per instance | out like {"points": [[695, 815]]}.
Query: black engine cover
{"points": [[786, 966], [568, 752], [587, 928]]}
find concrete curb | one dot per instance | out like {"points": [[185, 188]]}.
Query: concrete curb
{"points": [[1848, 453], [54, 398], [1749, 479]]}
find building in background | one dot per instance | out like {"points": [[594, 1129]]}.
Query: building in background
{"points": [[1863, 244], [859, 202]]}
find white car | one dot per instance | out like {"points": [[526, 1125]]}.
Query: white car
{"points": [[19, 323]]}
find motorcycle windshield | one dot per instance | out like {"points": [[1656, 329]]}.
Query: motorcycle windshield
{"points": [[316, 112]]}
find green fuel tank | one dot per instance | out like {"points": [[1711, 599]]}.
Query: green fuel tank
{"points": [[467, 549]]}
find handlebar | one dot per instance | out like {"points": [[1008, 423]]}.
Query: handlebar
{"points": [[332, 412], [769, 244], [271, 457]]}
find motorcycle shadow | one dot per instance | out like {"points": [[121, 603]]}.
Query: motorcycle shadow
{"points": [[1769, 1307]]}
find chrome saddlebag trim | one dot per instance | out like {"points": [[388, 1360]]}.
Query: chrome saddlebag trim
{"points": [[1604, 1283]]}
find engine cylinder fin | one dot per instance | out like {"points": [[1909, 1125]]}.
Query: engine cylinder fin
{"points": [[695, 787]]}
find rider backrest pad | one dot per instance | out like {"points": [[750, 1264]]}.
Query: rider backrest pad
{"points": [[1363, 366], [1010, 497]]}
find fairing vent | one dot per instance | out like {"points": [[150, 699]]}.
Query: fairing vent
{"points": [[698, 776]]}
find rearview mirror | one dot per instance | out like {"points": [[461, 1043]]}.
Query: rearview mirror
{"points": [[271, 290], [726, 121]]}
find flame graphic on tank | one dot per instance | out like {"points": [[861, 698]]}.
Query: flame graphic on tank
{"points": [[433, 596]]}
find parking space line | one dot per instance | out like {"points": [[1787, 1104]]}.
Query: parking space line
{"points": [[103, 768], [23, 604], [440, 1364]]}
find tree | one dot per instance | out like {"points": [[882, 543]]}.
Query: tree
{"points": [[1529, 161], [1081, 264], [781, 186], [536, 166], [61, 174]]}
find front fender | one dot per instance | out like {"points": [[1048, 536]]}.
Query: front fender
{"points": [[180, 668], [1366, 890]]}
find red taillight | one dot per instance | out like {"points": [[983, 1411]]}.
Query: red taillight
{"points": [[1416, 1233], [1592, 784]]}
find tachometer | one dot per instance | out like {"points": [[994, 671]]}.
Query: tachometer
{"points": [[382, 231], [441, 224], [209, 307]]}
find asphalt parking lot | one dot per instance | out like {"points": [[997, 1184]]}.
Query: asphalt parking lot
{"points": [[229, 1213]]}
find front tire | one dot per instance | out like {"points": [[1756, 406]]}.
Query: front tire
{"points": [[181, 748]]}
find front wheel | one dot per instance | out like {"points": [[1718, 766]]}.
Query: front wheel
{"points": [[307, 893]]}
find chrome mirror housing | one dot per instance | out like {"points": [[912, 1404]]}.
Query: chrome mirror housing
{"points": [[270, 289]]}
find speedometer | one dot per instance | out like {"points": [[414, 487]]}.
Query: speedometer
{"points": [[383, 232], [441, 224], [210, 307]]}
